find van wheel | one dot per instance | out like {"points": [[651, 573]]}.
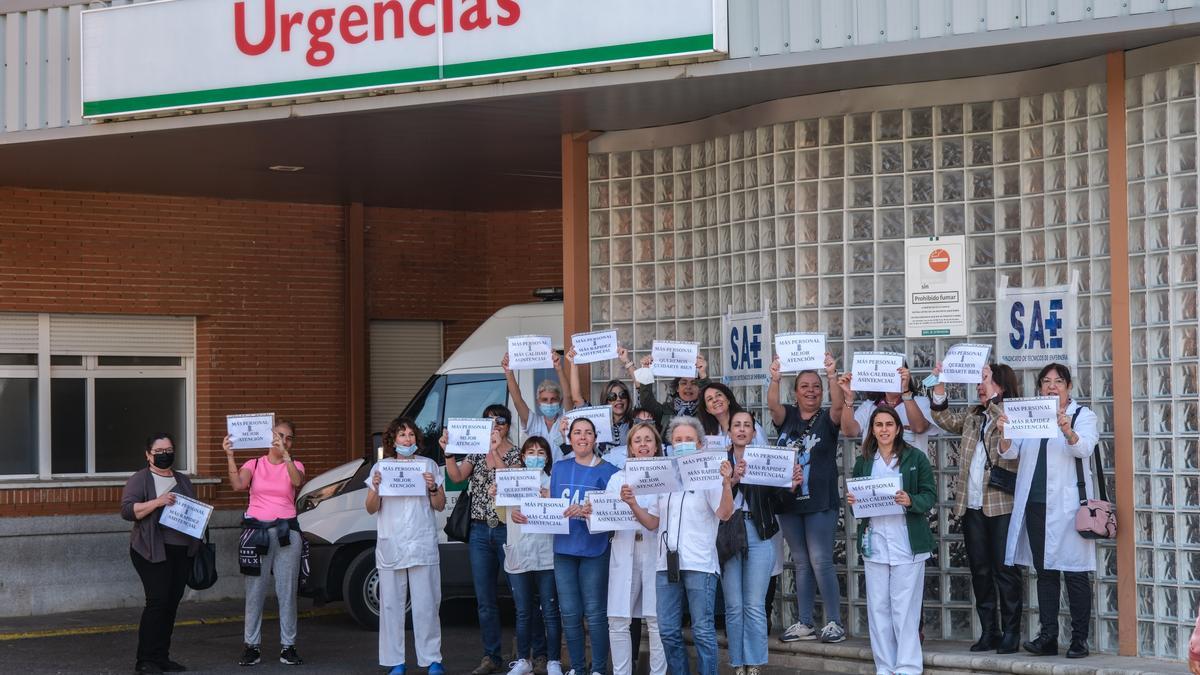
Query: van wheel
{"points": [[361, 590]]}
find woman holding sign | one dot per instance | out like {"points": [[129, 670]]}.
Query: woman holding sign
{"points": [[545, 420], [1043, 534], [162, 556], [912, 407], [747, 573], [683, 394], [616, 394], [717, 407], [406, 552], [895, 546], [983, 499], [687, 556]]}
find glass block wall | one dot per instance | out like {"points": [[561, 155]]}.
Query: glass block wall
{"points": [[811, 215], [1162, 158]]}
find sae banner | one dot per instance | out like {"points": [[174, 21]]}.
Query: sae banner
{"points": [[746, 341], [1036, 326]]}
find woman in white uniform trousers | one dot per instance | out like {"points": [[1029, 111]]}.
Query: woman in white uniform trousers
{"points": [[632, 568], [1042, 533], [406, 554], [895, 547]]}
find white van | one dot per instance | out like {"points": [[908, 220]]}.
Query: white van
{"points": [[333, 518]]}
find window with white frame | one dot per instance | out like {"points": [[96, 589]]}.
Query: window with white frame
{"points": [[80, 393]]}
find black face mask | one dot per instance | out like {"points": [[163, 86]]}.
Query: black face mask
{"points": [[165, 460]]}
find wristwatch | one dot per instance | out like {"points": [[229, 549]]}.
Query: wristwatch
{"points": [[906, 396]]}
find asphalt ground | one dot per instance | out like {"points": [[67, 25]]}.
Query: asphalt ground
{"points": [[208, 639]]}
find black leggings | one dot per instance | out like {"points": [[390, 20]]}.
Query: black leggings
{"points": [[1079, 587], [164, 583]]}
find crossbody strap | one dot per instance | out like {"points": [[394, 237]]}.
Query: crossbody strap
{"points": [[1080, 485]]}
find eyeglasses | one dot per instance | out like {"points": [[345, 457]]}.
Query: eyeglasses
{"points": [[162, 451], [617, 396], [501, 420]]}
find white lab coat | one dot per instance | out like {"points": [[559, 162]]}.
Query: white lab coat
{"points": [[1065, 550], [620, 563]]}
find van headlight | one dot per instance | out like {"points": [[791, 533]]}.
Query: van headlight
{"points": [[310, 500]]}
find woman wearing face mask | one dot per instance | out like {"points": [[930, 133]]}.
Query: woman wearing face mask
{"points": [[485, 546], [687, 555], [406, 554], [529, 563], [746, 575], [271, 536], [984, 509], [717, 407], [615, 393], [544, 420], [895, 547], [580, 557], [913, 410], [683, 394], [809, 520], [162, 556], [1042, 534]]}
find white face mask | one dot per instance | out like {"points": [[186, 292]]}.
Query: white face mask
{"points": [[406, 450]]}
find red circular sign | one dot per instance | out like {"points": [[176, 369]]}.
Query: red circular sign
{"points": [[939, 260]]}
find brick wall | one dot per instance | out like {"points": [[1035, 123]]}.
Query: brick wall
{"points": [[266, 282]]}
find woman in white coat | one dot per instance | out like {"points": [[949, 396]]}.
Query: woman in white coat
{"points": [[1042, 533], [632, 568]]}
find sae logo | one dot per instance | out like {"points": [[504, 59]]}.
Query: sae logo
{"points": [[746, 341], [1037, 325]]}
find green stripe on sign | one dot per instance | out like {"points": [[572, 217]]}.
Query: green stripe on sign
{"points": [[392, 78], [635, 50]]}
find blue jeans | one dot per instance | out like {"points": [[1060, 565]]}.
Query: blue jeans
{"points": [[539, 628], [486, 551], [744, 581], [701, 590], [810, 539], [583, 592]]}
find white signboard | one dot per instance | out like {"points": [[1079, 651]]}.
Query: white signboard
{"points": [[251, 432], [545, 515], [595, 346], [769, 465], [651, 475], [1035, 417], [935, 284], [800, 351], [168, 55], [402, 478], [701, 470], [186, 515], [876, 371], [746, 347], [875, 496], [717, 442], [674, 359], [469, 435], [609, 513], [601, 417], [1036, 326], [514, 486], [530, 352], [963, 363]]}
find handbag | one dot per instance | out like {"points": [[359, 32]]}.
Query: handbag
{"points": [[731, 537], [1096, 518], [204, 566], [458, 525], [999, 478]]}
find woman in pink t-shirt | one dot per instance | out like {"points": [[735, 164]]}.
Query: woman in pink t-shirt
{"points": [[270, 544]]}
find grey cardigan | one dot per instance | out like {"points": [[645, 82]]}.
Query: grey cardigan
{"points": [[147, 535]]}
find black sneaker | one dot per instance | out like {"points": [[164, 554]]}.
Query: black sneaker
{"points": [[250, 656], [170, 666], [289, 657], [146, 668]]}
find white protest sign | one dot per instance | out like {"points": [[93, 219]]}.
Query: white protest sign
{"points": [[963, 363], [1034, 417], [717, 442], [514, 486], [800, 351], [530, 352], [769, 465], [670, 358], [935, 283], [469, 435], [875, 496], [186, 515], [601, 417], [402, 478], [251, 432], [1037, 326], [701, 470], [609, 513], [596, 346], [545, 515], [651, 475], [746, 346], [876, 371]]}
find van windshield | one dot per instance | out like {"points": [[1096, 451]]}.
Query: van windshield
{"points": [[446, 396]]}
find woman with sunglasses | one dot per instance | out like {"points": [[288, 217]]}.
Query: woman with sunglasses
{"points": [[485, 546], [615, 393]]}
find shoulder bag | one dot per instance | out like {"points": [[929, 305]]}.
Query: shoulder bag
{"points": [[999, 478], [1096, 518], [204, 566], [458, 525]]}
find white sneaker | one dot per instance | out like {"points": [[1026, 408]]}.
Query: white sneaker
{"points": [[798, 631], [833, 633], [520, 667], [554, 668]]}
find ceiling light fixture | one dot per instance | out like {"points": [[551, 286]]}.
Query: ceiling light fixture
{"points": [[285, 168]]}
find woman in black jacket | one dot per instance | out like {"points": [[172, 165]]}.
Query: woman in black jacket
{"points": [[745, 575]]}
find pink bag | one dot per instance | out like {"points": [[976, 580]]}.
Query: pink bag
{"points": [[1096, 518]]}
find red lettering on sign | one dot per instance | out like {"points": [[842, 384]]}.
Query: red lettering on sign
{"points": [[286, 23], [239, 29], [476, 17], [320, 24], [511, 12], [414, 18], [397, 11], [353, 17]]}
